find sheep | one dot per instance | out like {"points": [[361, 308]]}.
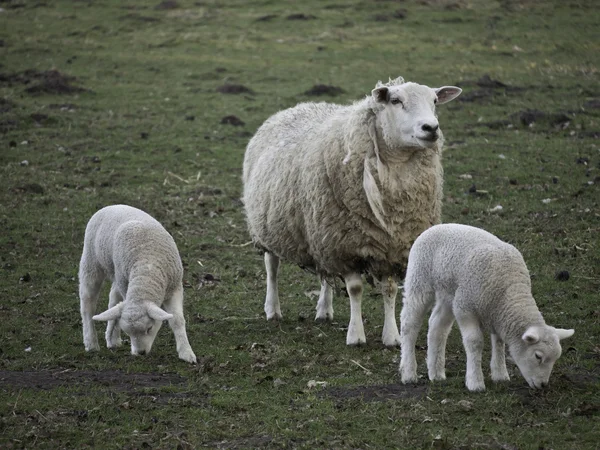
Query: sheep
{"points": [[140, 258], [469, 275], [345, 190]]}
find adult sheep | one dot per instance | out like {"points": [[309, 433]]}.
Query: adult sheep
{"points": [[345, 190]]}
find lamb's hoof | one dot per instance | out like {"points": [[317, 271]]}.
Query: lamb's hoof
{"points": [[92, 348], [409, 378], [188, 356], [500, 378], [356, 342], [114, 344], [475, 387], [274, 316], [392, 343], [324, 318], [437, 377]]}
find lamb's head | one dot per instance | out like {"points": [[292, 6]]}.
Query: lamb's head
{"points": [[537, 351], [406, 112], [139, 320]]}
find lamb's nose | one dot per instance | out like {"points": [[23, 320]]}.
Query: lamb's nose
{"points": [[429, 127], [142, 352], [544, 384]]}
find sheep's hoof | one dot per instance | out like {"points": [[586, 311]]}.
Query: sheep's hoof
{"points": [[475, 387], [323, 319], [188, 356]]}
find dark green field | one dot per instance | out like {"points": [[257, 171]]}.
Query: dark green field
{"points": [[152, 104]]}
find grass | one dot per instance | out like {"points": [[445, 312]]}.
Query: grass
{"points": [[146, 131]]}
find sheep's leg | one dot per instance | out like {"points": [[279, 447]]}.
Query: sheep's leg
{"points": [[390, 335], [89, 291], [356, 330], [498, 363], [325, 303], [472, 336], [414, 308], [174, 305], [272, 306], [440, 324], [113, 332]]}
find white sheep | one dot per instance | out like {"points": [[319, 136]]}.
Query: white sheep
{"points": [[345, 190], [468, 274], [140, 258]]}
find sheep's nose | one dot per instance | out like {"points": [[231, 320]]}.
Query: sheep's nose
{"points": [[142, 352], [430, 128]]}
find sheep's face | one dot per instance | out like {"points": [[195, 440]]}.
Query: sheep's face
{"points": [[408, 117], [537, 352], [140, 321]]}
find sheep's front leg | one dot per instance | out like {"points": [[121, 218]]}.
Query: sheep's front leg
{"points": [[411, 319], [498, 362], [440, 324], [272, 306], [390, 335], [89, 290], [473, 342], [174, 306], [325, 303], [356, 330], [113, 332]]}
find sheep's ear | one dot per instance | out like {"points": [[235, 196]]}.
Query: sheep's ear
{"points": [[531, 336], [563, 334], [447, 93], [158, 313], [110, 314], [381, 94]]}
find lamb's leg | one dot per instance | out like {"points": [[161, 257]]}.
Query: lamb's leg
{"points": [[356, 330], [415, 306], [325, 303], [472, 337], [90, 284], [272, 306], [174, 305], [440, 324], [390, 335], [498, 363], [113, 332]]}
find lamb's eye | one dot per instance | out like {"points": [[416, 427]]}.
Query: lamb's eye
{"points": [[395, 101], [538, 357], [150, 329]]}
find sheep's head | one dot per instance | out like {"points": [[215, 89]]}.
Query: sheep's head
{"points": [[140, 321], [406, 112], [537, 351]]}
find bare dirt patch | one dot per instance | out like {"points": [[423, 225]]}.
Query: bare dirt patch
{"points": [[48, 82], [114, 379], [378, 393]]}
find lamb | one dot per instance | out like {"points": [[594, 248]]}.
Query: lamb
{"points": [[140, 258], [468, 274], [345, 190]]}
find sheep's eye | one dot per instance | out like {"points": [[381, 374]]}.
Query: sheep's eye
{"points": [[538, 357], [150, 329], [435, 100], [395, 101]]}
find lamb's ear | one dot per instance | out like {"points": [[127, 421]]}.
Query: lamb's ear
{"points": [[158, 313], [531, 336], [447, 93], [381, 94], [563, 334], [110, 314]]}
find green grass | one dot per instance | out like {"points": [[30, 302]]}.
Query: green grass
{"points": [[147, 132]]}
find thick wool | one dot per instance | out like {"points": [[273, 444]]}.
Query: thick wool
{"points": [[140, 258], [332, 189], [470, 275]]}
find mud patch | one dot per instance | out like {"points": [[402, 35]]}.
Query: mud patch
{"points": [[233, 120], [300, 17], [47, 82], [113, 379], [324, 89], [234, 89], [486, 88], [378, 393]]}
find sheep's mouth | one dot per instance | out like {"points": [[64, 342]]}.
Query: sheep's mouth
{"points": [[427, 141]]}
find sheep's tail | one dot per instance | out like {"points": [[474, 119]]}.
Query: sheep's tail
{"points": [[374, 197]]}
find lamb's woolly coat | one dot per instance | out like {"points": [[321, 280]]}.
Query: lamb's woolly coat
{"points": [[322, 189]]}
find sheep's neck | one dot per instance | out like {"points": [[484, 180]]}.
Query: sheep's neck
{"points": [[147, 286]]}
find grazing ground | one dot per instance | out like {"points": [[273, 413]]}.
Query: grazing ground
{"points": [[152, 104]]}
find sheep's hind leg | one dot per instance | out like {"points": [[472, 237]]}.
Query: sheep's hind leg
{"points": [[440, 324], [113, 332], [174, 305], [498, 362], [356, 330], [390, 335], [414, 308], [472, 337], [89, 291], [272, 306], [325, 303]]}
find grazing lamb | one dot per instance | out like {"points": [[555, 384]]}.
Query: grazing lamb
{"points": [[470, 275], [135, 252], [345, 190]]}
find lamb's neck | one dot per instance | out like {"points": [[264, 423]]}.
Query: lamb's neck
{"points": [[147, 285], [516, 313]]}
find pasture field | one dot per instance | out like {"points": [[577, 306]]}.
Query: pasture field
{"points": [[152, 104]]}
